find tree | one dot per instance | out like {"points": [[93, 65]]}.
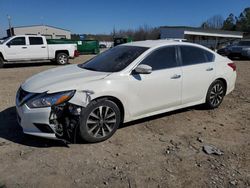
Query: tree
{"points": [[229, 23], [243, 21], [215, 22]]}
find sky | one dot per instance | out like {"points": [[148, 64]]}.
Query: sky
{"points": [[101, 16]]}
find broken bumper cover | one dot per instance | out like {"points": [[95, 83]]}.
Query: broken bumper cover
{"points": [[35, 121]]}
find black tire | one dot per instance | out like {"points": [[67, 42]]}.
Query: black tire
{"points": [[62, 59], [215, 94], [1, 62], [93, 129]]}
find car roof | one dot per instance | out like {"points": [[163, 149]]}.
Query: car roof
{"points": [[158, 43]]}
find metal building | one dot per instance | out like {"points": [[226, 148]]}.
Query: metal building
{"points": [[49, 32], [211, 38]]}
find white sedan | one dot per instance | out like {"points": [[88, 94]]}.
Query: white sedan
{"points": [[125, 83]]}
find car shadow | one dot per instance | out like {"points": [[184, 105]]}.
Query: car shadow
{"points": [[10, 130]]}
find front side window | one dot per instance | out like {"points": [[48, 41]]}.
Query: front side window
{"points": [[162, 58], [17, 41], [192, 55], [115, 59], [36, 40]]}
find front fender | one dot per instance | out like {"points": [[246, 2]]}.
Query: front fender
{"points": [[84, 97]]}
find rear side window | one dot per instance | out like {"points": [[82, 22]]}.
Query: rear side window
{"points": [[191, 55], [17, 41], [162, 58], [36, 40]]}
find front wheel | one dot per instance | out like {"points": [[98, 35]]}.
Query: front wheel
{"points": [[215, 94], [62, 59], [99, 120]]}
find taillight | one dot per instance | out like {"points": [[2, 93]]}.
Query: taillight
{"points": [[232, 65], [76, 53]]}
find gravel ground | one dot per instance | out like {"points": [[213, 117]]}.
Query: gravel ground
{"points": [[161, 151]]}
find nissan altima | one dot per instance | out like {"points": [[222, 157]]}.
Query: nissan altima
{"points": [[128, 82]]}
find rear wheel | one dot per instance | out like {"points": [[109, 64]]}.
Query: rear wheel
{"points": [[1, 62], [62, 59], [215, 94], [99, 120]]}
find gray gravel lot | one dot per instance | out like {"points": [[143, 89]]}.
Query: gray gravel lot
{"points": [[161, 151]]}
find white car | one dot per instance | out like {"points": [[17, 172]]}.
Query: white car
{"points": [[125, 83], [34, 48]]}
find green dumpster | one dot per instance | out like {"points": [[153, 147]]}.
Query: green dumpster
{"points": [[83, 46]]}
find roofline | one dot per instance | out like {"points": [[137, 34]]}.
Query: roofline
{"points": [[198, 29], [40, 25]]}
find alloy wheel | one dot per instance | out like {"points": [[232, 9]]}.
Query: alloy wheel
{"points": [[216, 94], [63, 59], [101, 121]]}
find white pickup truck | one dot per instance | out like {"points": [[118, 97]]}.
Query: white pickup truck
{"points": [[32, 48]]}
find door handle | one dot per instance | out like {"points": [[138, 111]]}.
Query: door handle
{"points": [[24, 47], [209, 69], [176, 76], [43, 47]]}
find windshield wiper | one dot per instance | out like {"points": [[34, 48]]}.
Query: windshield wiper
{"points": [[89, 68]]}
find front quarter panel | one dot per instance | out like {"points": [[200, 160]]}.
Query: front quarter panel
{"points": [[107, 87]]}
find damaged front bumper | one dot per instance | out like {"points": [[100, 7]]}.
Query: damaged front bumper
{"points": [[56, 122], [31, 120]]}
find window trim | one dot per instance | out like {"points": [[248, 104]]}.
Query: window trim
{"points": [[156, 49], [180, 56]]}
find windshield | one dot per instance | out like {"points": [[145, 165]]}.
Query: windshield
{"points": [[115, 59]]}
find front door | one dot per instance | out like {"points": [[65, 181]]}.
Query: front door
{"points": [[16, 49], [159, 90]]}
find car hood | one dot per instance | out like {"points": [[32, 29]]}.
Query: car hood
{"points": [[69, 77]]}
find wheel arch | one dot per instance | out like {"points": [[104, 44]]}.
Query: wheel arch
{"points": [[116, 101], [224, 82], [1, 55], [61, 51]]}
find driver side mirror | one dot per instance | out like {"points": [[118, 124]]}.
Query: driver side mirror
{"points": [[143, 69], [8, 44]]}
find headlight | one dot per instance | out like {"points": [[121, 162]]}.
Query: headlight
{"points": [[47, 100]]}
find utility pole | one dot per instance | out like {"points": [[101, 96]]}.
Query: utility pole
{"points": [[9, 20]]}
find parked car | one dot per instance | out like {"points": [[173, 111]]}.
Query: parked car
{"points": [[121, 40], [236, 50], [224, 51], [126, 83], [32, 48]]}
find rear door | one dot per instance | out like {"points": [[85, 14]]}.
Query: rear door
{"points": [[37, 48], [198, 70], [162, 88]]}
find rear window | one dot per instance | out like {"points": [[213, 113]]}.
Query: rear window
{"points": [[193, 55], [36, 40]]}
